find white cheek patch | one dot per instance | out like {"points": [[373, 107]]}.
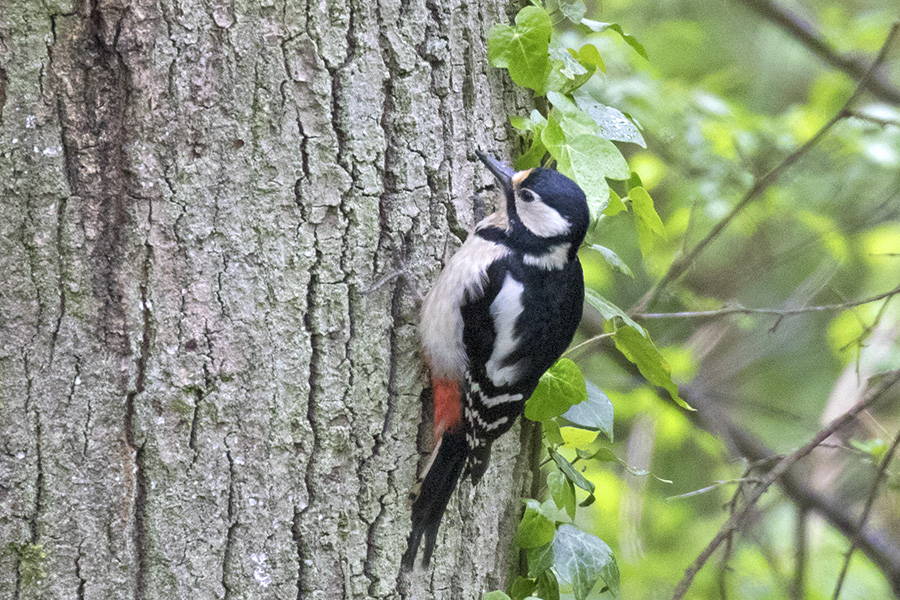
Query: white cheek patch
{"points": [[556, 258], [540, 219], [505, 310], [441, 327]]}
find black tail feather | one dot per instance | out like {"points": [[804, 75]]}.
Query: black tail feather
{"points": [[437, 487]]}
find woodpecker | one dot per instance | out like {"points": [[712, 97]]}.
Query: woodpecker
{"points": [[501, 312]]}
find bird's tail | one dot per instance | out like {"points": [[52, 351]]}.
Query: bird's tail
{"points": [[430, 500]]}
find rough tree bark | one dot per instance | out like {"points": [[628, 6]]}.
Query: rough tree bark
{"points": [[198, 397]]}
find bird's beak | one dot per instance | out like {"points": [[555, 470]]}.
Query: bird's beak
{"points": [[499, 170]]}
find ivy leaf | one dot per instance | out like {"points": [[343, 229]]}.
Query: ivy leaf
{"points": [[569, 470], [559, 388], [547, 586], [598, 27], [588, 160], [640, 350], [521, 588], [610, 311], [552, 433], [495, 595], [615, 204], [589, 55], [535, 529], [523, 49], [562, 491], [569, 72], [540, 560], [613, 123], [534, 124], [613, 259], [574, 10], [581, 559], [595, 414], [646, 219]]}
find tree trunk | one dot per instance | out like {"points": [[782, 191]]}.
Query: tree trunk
{"points": [[203, 393]]}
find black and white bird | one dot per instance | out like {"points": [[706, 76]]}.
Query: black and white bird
{"points": [[502, 311]]}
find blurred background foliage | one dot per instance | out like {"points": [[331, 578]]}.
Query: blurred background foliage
{"points": [[725, 96]]}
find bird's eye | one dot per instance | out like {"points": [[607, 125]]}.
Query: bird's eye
{"points": [[528, 196]]}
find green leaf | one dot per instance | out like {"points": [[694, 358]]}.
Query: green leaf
{"points": [[521, 588], [595, 414], [523, 49], [613, 123], [572, 119], [569, 470], [875, 448], [568, 72], [610, 311], [552, 433], [613, 259], [562, 491], [634, 181], [600, 454], [574, 10], [540, 560], [547, 586], [615, 204], [534, 124], [598, 27], [495, 595], [535, 529], [559, 388], [640, 350], [589, 55], [581, 559], [580, 154], [646, 219]]}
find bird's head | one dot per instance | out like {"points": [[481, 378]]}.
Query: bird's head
{"points": [[541, 203]]}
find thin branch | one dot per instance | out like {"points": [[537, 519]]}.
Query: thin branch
{"points": [[806, 34], [873, 119], [683, 262], [781, 312], [801, 542], [596, 338], [882, 470], [737, 521], [715, 486]]}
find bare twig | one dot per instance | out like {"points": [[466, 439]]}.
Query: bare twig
{"points": [[874, 119], [586, 342], [683, 262], [873, 493], [715, 486], [806, 34], [798, 585], [737, 521], [781, 312]]}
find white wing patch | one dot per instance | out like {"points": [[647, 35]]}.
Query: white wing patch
{"points": [[505, 310], [441, 329], [541, 219]]}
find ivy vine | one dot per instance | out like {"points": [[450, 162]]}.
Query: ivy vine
{"points": [[577, 132]]}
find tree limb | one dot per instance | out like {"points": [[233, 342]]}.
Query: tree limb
{"points": [[870, 500], [683, 262], [780, 312], [809, 36], [780, 469]]}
